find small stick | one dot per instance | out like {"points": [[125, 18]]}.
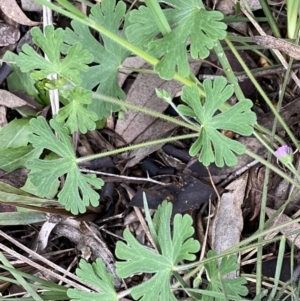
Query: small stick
{"points": [[273, 43]]}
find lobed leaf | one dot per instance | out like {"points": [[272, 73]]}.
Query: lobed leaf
{"points": [[190, 21], [77, 192], [211, 145], [107, 58], [139, 259], [96, 275], [51, 42], [215, 273], [75, 115]]}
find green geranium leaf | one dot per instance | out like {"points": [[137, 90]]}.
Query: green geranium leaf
{"points": [[211, 144], [51, 43], [77, 192], [75, 114], [107, 58], [190, 21], [215, 274], [141, 28], [15, 134], [96, 275], [17, 80], [14, 148], [14, 158], [136, 258]]}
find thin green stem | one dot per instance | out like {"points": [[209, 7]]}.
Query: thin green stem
{"points": [[271, 151], [292, 16], [262, 225], [234, 19], [265, 6], [78, 16], [241, 246], [135, 146], [273, 168], [158, 16], [269, 133], [264, 199], [278, 267], [146, 111], [228, 70], [262, 93]]}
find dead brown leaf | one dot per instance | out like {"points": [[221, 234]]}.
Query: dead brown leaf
{"points": [[10, 100], [282, 219], [12, 10], [29, 5], [228, 223], [137, 127], [8, 34]]}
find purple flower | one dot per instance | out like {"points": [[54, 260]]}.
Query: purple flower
{"points": [[283, 151], [284, 154]]}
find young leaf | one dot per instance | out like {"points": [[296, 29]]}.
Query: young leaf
{"points": [[76, 112], [212, 145], [51, 43], [96, 275], [215, 274], [108, 58], [77, 192], [192, 22], [139, 259]]}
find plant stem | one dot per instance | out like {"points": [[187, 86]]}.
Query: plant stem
{"points": [[292, 16], [262, 225], [146, 111], [269, 133], [104, 31], [241, 246], [271, 20], [228, 70], [135, 146], [275, 169], [262, 93], [158, 16]]}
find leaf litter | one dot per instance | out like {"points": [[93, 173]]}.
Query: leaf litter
{"points": [[130, 131]]}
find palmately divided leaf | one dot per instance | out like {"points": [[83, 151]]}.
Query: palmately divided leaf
{"points": [[94, 274], [139, 259], [234, 287], [203, 28], [211, 145], [75, 114], [108, 58], [190, 21], [51, 43], [141, 28], [77, 192]]}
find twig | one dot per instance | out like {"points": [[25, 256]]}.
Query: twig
{"points": [[277, 52], [237, 173], [148, 179], [256, 72], [42, 259]]}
